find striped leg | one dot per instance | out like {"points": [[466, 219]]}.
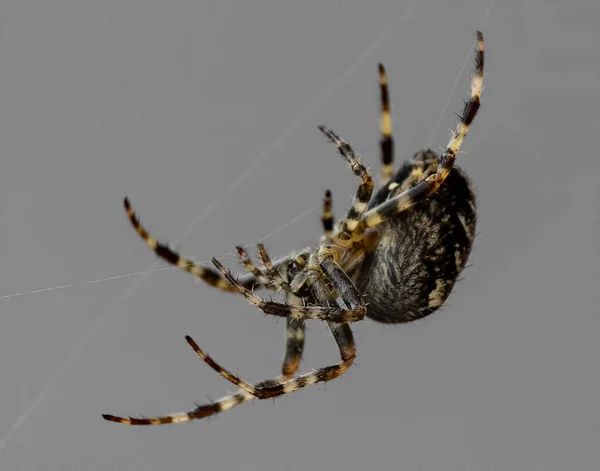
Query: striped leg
{"points": [[270, 388], [295, 328], [272, 273], [327, 218], [200, 412], [387, 140], [294, 349], [273, 388], [333, 274], [208, 275], [262, 278], [364, 191], [409, 198], [294, 343]]}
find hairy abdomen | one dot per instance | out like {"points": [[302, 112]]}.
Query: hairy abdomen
{"points": [[421, 252]]}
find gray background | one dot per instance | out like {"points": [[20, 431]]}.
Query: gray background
{"points": [[169, 103]]}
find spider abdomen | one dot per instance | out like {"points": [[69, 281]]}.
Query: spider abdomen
{"points": [[421, 252]]}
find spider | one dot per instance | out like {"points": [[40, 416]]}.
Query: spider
{"points": [[395, 257]]}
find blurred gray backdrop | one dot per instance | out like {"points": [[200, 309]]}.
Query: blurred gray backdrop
{"points": [[206, 113]]}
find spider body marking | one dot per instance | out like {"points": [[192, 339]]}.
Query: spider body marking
{"points": [[394, 258]]}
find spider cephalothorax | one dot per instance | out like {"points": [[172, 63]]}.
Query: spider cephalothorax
{"points": [[394, 258]]}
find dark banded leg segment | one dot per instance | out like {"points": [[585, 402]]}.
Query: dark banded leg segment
{"points": [[387, 141], [364, 191], [200, 412], [258, 275], [295, 328], [208, 275], [341, 283], [270, 388], [273, 388], [255, 279], [466, 118], [327, 218], [409, 198], [271, 272], [294, 346]]}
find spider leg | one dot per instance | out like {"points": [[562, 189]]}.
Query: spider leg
{"points": [[208, 275], [270, 388], [409, 198], [295, 328], [327, 218], [272, 273], [333, 273], [273, 388], [386, 142], [343, 286], [294, 346], [200, 412], [364, 191], [258, 275]]}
